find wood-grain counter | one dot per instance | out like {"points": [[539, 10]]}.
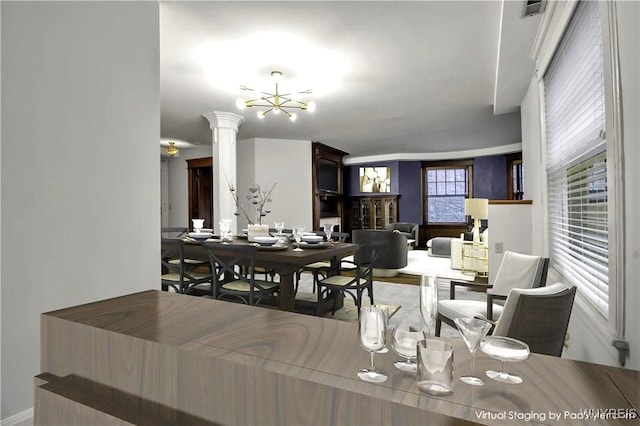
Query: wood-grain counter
{"points": [[162, 358]]}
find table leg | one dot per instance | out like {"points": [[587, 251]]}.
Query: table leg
{"points": [[286, 295]]}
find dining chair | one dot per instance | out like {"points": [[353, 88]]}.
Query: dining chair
{"points": [[234, 273], [180, 232], [538, 316], [322, 268], [176, 272], [516, 271], [359, 278]]}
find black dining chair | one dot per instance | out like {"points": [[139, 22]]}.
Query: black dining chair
{"points": [[358, 277], [234, 273], [181, 232], [323, 268], [176, 272]]}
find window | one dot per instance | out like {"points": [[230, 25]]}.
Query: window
{"points": [[577, 157], [446, 186]]}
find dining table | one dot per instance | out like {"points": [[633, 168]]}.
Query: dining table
{"points": [[284, 261]]}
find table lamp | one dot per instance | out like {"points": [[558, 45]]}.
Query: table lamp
{"points": [[477, 208]]}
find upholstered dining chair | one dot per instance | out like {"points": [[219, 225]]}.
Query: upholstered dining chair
{"points": [[322, 268], [360, 277], [234, 273], [177, 273], [516, 271], [538, 316], [180, 232]]}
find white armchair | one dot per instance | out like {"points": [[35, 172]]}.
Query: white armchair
{"points": [[516, 271]]}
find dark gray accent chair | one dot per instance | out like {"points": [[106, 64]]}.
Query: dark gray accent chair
{"points": [[393, 251], [409, 230]]}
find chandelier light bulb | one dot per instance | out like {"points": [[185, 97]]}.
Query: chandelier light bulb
{"points": [[261, 114], [240, 103], [293, 116], [311, 106]]}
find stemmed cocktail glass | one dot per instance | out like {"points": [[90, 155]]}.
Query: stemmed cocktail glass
{"points": [[297, 234], [328, 230], [279, 227], [473, 330], [373, 333], [504, 349], [429, 302]]}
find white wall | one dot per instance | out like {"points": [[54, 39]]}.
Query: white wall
{"points": [[286, 163], [512, 232], [178, 180], [265, 162], [590, 339], [80, 134]]}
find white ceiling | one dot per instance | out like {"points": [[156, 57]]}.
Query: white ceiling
{"points": [[423, 76]]}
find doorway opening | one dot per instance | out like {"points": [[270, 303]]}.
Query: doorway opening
{"points": [[200, 182]]}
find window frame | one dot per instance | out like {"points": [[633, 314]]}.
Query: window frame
{"points": [[466, 164]]}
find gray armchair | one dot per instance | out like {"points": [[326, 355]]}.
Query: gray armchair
{"points": [[393, 251], [409, 230]]}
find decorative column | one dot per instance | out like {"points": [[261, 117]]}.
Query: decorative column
{"points": [[224, 133]]}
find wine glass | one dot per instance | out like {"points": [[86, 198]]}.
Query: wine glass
{"points": [[279, 227], [373, 333], [504, 349], [473, 330], [198, 224], [404, 340], [328, 230], [429, 302], [297, 234]]}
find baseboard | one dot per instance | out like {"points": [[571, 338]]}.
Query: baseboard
{"points": [[18, 418]]}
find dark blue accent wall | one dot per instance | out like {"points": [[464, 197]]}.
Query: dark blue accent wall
{"points": [[489, 181], [490, 177]]}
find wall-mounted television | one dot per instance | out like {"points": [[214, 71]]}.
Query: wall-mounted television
{"points": [[375, 179]]}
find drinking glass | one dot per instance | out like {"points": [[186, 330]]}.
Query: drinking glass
{"points": [[297, 234], [225, 230], [473, 330], [435, 366], [279, 227], [198, 224], [404, 339], [429, 302], [504, 349], [328, 230], [373, 333]]}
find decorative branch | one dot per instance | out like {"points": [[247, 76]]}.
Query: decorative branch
{"points": [[257, 197]]}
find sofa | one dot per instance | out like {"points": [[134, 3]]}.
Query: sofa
{"points": [[394, 249], [409, 230]]}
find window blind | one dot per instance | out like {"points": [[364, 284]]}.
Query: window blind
{"points": [[577, 157]]}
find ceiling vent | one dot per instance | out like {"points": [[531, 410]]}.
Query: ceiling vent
{"points": [[533, 7]]}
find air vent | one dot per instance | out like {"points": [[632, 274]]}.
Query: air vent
{"points": [[533, 7]]}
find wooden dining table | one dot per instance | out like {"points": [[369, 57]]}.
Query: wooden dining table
{"points": [[285, 262]]}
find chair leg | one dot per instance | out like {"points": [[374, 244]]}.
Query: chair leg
{"points": [[438, 326]]}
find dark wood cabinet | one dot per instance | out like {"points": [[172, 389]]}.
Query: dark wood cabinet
{"points": [[371, 211], [327, 178]]}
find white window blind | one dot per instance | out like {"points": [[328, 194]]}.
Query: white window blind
{"points": [[577, 158]]}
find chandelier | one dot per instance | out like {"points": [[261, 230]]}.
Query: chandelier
{"points": [[171, 150], [276, 101]]}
